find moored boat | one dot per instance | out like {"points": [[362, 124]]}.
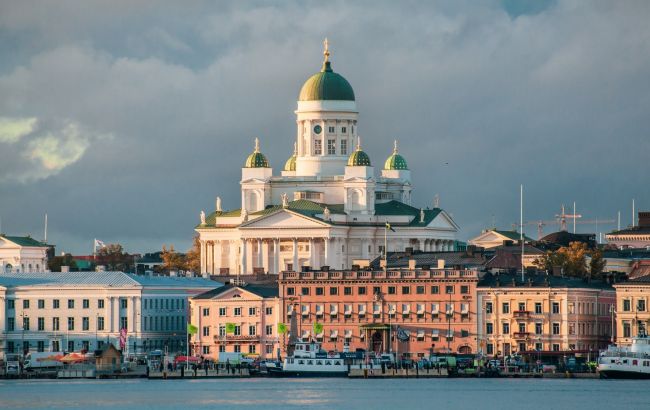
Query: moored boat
{"points": [[626, 362]]}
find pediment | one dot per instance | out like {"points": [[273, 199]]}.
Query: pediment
{"points": [[443, 221], [284, 218], [237, 293], [488, 237]]}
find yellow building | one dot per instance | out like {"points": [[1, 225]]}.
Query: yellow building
{"points": [[632, 316], [542, 314]]}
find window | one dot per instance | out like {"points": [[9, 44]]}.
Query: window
{"points": [[237, 330], [344, 146], [522, 306], [556, 328], [41, 323], [320, 291], [55, 324], [556, 347], [376, 290], [206, 331], [206, 312], [556, 308], [291, 291], [85, 303], [269, 310], [304, 291], [464, 289], [237, 311], [522, 328], [361, 290], [449, 289], [100, 322], [464, 333], [347, 290], [70, 303], [251, 348], [331, 129], [11, 304], [419, 290], [252, 330], [222, 348], [41, 303], [26, 304], [392, 290], [488, 308], [538, 308], [506, 328], [205, 349], [71, 346], [237, 348], [343, 130], [538, 346], [124, 322], [538, 328], [489, 328], [331, 147], [334, 291], [100, 303], [40, 346], [70, 323], [252, 311], [406, 290], [25, 323], [490, 349], [85, 323], [11, 324], [268, 330], [627, 331], [435, 290], [505, 307], [640, 305], [222, 311], [318, 147], [269, 349], [222, 330]]}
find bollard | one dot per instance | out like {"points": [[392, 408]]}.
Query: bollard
{"points": [[165, 375], [365, 373]]}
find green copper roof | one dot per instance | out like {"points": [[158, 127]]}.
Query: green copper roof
{"points": [[256, 159], [290, 165], [326, 85], [395, 161], [359, 158], [24, 241]]}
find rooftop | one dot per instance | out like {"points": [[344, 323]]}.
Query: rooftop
{"points": [[400, 260], [24, 241], [265, 291], [538, 280]]}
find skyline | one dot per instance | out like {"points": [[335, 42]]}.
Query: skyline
{"points": [[114, 120]]}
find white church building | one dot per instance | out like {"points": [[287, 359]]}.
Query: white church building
{"points": [[328, 207]]}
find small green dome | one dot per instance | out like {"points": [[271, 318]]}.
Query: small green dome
{"points": [[359, 158], [290, 165], [256, 159], [395, 161]]}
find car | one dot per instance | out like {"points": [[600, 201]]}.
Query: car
{"points": [[494, 363]]}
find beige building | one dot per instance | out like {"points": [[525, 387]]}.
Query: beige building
{"points": [[542, 313], [632, 316], [22, 254], [252, 312]]}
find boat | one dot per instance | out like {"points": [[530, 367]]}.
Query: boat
{"points": [[310, 360], [631, 362]]}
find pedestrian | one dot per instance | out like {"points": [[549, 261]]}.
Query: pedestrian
{"points": [[227, 365]]}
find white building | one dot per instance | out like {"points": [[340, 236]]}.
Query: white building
{"points": [[328, 207], [71, 311], [22, 254]]}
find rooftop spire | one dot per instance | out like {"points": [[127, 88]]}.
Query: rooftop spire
{"points": [[395, 147], [358, 143], [326, 50], [295, 148], [257, 144]]}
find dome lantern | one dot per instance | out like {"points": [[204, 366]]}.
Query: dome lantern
{"points": [[395, 161], [256, 159], [359, 158]]}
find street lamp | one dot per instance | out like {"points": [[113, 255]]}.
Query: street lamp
{"points": [[23, 316]]}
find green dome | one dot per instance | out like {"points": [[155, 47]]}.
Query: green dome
{"points": [[326, 85], [359, 158], [256, 159], [395, 161]]}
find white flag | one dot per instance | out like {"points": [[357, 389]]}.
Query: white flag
{"points": [[99, 244]]}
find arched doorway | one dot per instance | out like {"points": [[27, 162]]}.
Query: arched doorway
{"points": [[377, 342], [465, 350]]}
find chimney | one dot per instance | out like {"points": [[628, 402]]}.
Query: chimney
{"points": [[644, 219], [412, 263], [441, 263]]}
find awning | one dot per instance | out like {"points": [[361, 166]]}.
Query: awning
{"points": [[348, 333], [435, 332], [347, 309], [376, 309], [305, 333], [334, 334], [305, 309], [450, 309], [289, 309], [362, 309], [392, 309], [374, 326], [406, 309], [435, 308], [450, 333], [464, 308], [420, 334], [420, 310], [319, 309], [334, 309]]}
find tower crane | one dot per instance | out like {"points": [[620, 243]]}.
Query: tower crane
{"points": [[561, 220]]}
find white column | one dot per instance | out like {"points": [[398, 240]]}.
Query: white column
{"points": [[364, 249], [326, 250], [217, 257], [260, 260], [295, 255], [312, 253], [131, 314], [266, 256], [276, 256], [250, 251], [203, 256], [242, 257], [232, 257]]}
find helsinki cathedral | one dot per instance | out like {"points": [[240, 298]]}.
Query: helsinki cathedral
{"points": [[328, 206]]}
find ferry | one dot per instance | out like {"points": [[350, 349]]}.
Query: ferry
{"points": [[310, 360], [626, 362]]}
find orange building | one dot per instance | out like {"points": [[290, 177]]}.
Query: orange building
{"points": [[409, 312]]}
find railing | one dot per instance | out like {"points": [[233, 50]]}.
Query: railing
{"points": [[521, 335], [380, 274], [521, 314]]}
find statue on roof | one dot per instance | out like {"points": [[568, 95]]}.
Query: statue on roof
{"points": [[436, 201], [285, 200], [326, 214], [218, 204], [421, 215], [202, 216], [244, 215]]}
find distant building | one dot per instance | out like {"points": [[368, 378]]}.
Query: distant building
{"points": [[55, 311], [560, 239], [23, 254], [632, 312], [492, 238], [469, 258], [508, 258], [630, 261], [543, 313], [409, 312], [634, 237], [253, 311]]}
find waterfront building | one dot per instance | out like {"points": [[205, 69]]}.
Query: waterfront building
{"points": [[252, 311], [507, 257], [632, 313], [550, 314], [328, 207], [491, 238], [72, 311], [409, 312], [23, 254], [637, 236]]}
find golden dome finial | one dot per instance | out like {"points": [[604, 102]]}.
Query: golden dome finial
{"points": [[257, 144], [295, 148], [395, 147], [358, 143], [326, 50]]}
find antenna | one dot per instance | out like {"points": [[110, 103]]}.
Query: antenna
{"points": [[633, 213], [619, 221], [574, 219], [45, 233]]}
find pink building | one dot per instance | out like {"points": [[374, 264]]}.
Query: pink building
{"points": [[252, 311]]}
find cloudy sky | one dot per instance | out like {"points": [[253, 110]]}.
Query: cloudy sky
{"points": [[123, 119]]}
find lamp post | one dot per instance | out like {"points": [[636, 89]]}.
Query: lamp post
{"points": [[96, 329], [23, 316]]}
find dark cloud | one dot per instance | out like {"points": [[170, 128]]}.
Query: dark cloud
{"points": [[166, 101]]}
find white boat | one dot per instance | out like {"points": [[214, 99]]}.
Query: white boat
{"points": [[310, 360], [626, 362]]}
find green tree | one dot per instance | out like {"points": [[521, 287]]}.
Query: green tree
{"points": [[56, 262], [597, 264], [113, 257], [193, 256], [172, 260], [571, 259]]}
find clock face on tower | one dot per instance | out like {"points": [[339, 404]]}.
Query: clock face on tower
{"points": [[318, 129]]}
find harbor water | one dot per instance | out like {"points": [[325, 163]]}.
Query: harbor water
{"points": [[264, 393]]}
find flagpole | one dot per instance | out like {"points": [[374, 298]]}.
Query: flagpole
{"points": [[385, 247]]}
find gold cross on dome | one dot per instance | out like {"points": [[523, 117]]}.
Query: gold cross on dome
{"points": [[326, 52]]}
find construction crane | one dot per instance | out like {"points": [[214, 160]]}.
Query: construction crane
{"points": [[561, 220]]}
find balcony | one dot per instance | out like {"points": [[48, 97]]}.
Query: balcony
{"points": [[521, 335], [521, 314], [233, 338]]}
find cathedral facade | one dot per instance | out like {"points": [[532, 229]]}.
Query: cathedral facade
{"points": [[328, 207]]}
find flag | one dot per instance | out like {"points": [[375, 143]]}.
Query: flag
{"points": [[282, 328], [389, 227], [230, 328], [99, 244], [191, 329], [122, 338], [318, 328]]}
